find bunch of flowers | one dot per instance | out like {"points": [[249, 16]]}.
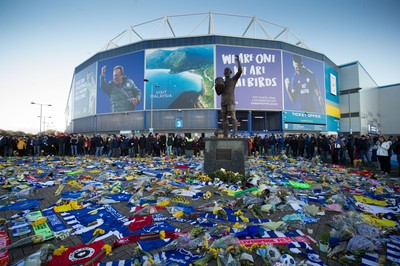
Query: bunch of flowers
{"points": [[39, 221], [240, 214], [163, 202], [137, 256], [219, 211], [228, 255], [204, 261], [96, 233], [196, 231], [228, 176], [75, 184], [59, 251], [105, 250], [182, 170], [202, 177], [357, 163], [30, 240], [255, 209]]}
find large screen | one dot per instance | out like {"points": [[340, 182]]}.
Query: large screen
{"points": [[260, 85], [120, 83], [184, 78], [304, 88], [180, 78], [84, 92]]}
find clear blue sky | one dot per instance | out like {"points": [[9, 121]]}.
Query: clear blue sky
{"points": [[42, 41]]}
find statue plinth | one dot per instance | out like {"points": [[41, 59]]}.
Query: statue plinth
{"points": [[227, 153]]}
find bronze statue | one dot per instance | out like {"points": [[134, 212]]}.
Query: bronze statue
{"points": [[226, 88]]}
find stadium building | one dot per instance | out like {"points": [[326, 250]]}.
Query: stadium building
{"points": [[167, 82]]}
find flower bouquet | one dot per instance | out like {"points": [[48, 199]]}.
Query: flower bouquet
{"points": [[228, 176], [357, 163]]}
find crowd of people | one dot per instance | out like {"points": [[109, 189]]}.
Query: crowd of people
{"points": [[369, 150], [373, 151], [110, 145]]}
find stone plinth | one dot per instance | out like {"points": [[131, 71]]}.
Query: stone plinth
{"points": [[230, 154]]}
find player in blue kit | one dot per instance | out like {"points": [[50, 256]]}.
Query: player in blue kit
{"points": [[304, 90]]}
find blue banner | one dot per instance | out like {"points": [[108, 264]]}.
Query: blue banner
{"points": [[333, 123], [303, 117], [84, 92], [304, 127]]}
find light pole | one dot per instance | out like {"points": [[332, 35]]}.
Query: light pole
{"points": [[41, 107], [151, 103], [44, 122]]}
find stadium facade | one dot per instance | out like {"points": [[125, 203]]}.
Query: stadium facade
{"points": [[175, 79]]}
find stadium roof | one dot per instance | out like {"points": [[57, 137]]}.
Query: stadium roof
{"points": [[200, 24]]}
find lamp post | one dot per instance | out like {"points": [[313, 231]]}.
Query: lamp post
{"points": [[41, 107], [44, 122], [151, 103]]}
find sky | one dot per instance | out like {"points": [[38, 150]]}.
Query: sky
{"points": [[42, 41]]}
